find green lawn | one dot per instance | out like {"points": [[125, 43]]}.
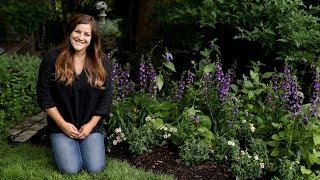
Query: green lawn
{"points": [[33, 162]]}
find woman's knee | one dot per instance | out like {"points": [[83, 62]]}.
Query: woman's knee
{"points": [[70, 170], [92, 169]]}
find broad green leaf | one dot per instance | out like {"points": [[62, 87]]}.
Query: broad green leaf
{"points": [[159, 82], [316, 138], [254, 76], [234, 88], [205, 121], [275, 137], [276, 125], [275, 153], [208, 68], [304, 170], [250, 94], [273, 143], [206, 53], [247, 84], [170, 66], [267, 75]]}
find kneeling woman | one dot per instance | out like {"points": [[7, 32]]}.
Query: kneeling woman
{"points": [[75, 89]]}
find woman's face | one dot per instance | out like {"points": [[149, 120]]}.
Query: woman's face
{"points": [[80, 37]]}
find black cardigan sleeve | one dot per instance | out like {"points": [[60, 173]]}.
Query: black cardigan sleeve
{"points": [[104, 103], [44, 96]]}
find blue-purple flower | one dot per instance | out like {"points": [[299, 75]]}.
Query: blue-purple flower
{"points": [[168, 56]]}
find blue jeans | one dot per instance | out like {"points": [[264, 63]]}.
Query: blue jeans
{"points": [[73, 155]]}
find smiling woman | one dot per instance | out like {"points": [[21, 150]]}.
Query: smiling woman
{"points": [[75, 89]]}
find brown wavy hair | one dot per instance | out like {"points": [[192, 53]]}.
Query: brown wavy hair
{"points": [[93, 67]]}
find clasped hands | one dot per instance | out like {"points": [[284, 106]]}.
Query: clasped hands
{"points": [[71, 131]]}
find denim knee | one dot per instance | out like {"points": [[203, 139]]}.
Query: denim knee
{"points": [[69, 170], [95, 168]]}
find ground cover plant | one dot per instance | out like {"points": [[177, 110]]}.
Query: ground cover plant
{"points": [[18, 76]]}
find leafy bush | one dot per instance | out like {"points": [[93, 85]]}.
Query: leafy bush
{"points": [[284, 28], [26, 16], [194, 151], [109, 33], [18, 76], [142, 140]]}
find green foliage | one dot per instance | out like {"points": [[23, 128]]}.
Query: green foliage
{"points": [[109, 33], [285, 28], [194, 151], [142, 140], [26, 16], [18, 76]]}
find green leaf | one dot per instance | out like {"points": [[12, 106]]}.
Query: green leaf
{"points": [[267, 75], [254, 76], [316, 138], [170, 66], [304, 170], [206, 53], [159, 81], [208, 68], [234, 88], [275, 137], [247, 84], [273, 143], [251, 94], [205, 121], [275, 153], [276, 125]]}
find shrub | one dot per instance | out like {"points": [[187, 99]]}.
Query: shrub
{"points": [[17, 85], [194, 151]]}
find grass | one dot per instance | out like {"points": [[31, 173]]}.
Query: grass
{"points": [[33, 162]]}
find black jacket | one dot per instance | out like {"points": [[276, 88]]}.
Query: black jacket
{"points": [[76, 103]]}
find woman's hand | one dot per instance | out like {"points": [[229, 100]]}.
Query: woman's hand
{"points": [[85, 130], [70, 130]]}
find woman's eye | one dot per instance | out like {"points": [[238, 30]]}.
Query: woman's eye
{"points": [[87, 35]]}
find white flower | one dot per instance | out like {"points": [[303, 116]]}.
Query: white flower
{"points": [[256, 157], [165, 128], [115, 142], [252, 128], [242, 152], [173, 129], [231, 143], [148, 118], [261, 165], [117, 130], [165, 136], [244, 121]]}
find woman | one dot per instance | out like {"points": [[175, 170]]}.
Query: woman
{"points": [[74, 88]]}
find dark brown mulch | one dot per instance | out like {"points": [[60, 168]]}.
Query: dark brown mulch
{"points": [[165, 159]]}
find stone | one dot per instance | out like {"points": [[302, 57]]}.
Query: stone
{"points": [[24, 136]]}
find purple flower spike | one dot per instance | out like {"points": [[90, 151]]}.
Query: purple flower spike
{"points": [[315, 99]]}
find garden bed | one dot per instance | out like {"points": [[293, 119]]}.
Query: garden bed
{"points": [[165, 160]]}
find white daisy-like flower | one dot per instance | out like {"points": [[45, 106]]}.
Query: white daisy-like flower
{"points": [[231, 143], [261, 165], [256, 157], [115, 142], [117, 130], [148, 118], [252, 128]]}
